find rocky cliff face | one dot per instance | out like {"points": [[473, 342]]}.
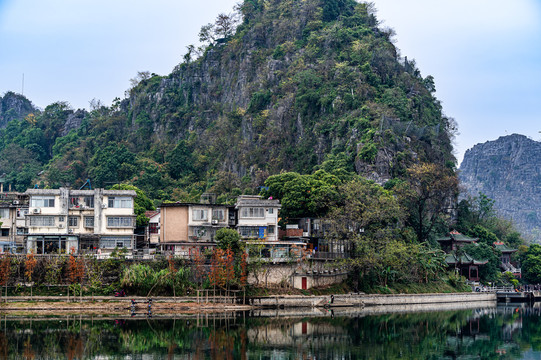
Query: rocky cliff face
{"points": [[290, 90], [508, 170], [14, 106]]}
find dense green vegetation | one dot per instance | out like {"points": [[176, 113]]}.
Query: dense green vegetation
{"points": [[298, 86], [307, 99]]}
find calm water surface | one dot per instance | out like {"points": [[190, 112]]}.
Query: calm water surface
{"points": [[512, 332]]}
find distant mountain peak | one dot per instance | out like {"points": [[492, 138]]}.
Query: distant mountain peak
{"points": [[508, 170]]}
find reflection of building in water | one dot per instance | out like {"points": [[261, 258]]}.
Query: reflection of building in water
{"points": [[477, 330], [304, 334]]}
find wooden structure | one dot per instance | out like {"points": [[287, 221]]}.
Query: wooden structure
{"points": [[457, 259], [505, 258]]}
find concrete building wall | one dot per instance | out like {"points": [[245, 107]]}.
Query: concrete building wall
{"points": [[174, 224]]}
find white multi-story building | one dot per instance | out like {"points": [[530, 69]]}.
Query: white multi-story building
{"points": [[13, 208], [257, 218], [64, 220]]}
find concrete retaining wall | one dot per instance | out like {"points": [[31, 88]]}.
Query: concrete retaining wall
{"points": [[426, 298], [370, 300]]}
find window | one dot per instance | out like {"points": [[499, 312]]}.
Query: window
{"points": [[110, 242], [119, 221], [22, 231], [249, 231], [5, 232], [218, 214], [252, 212], [42, 201], [271, 211], [89, 202], [38, 221], [200, 214], [21, 213], [153, 228], [199, 232], [4, 213], [73, 221], [270, 230], [74, 202], [120, 202], [89, 221]]}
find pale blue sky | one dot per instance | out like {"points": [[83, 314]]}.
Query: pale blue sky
{"points": [[485, 55]]}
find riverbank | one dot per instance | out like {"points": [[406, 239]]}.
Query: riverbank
{"points": [[190, 305]]}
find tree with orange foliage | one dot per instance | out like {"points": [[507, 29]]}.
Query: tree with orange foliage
{"points": [[72, 269], [199, 264], [29, 266], [172, 273], [76, 270], [228, 265], [216, 274], [5, 270], [243, 279]]}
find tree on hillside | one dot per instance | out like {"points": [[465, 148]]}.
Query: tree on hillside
{"points": [[180, 161], [223, 27], [531, 264], [427, 196], [366, 217], [111, 164], [476, 217], [491, 270], [303, 195]]}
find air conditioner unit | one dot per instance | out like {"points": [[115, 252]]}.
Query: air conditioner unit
{"points": [[60, 226], [15, 202], [103, 206], [70, 231], [214, 222], [36, 211]]}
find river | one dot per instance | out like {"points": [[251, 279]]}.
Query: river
{"points": [[489, 332]]}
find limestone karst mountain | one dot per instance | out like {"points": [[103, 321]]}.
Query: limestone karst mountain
{"points": [[299, 85], [508, 170]]}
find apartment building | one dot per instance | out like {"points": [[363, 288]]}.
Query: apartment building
{"points": [[186, 228], [62, 220], [257, 217], [13, 208]]}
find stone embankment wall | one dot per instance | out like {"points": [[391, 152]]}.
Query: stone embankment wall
{"points": [[317, 273], [371, 300]]}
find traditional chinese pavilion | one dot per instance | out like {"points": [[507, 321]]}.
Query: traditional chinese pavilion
{"points": [[456, 259], [506, 264]]}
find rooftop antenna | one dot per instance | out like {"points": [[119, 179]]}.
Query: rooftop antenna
{"points": [[87, 183]]}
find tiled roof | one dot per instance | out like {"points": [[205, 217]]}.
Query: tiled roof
{"points": [[456, 236], [464, 259], [150, 214], [503, 248]]}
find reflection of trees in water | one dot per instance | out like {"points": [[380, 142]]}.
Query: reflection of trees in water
{"points": [[75, 347], [28, 352], [3, 346], [451, 334]]}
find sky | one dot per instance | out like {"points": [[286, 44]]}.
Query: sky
{"points": [[485, 55]]}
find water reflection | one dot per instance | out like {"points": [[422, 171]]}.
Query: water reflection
{"points": [[511, 332]]}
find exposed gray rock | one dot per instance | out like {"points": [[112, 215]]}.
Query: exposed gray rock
{"points": [[14, 106], [73, 121], [508, 170]]}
